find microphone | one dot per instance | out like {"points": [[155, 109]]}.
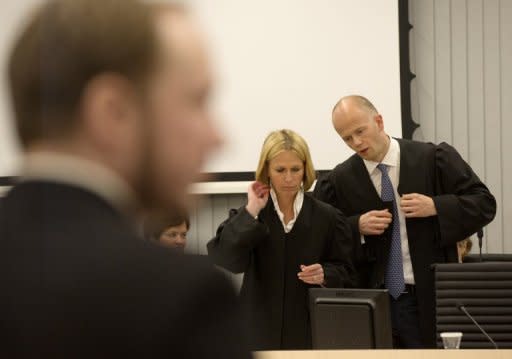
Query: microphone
{"points": [[480, 235], [462, 308]]}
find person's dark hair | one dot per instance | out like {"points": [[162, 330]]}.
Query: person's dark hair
{"points": [[64, 46], [154, 227]]}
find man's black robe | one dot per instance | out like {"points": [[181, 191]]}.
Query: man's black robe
{"points": [[463, 203]]}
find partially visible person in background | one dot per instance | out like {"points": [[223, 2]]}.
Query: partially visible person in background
{"points": [[464, 248], [111, 105], [285, 242], [168, 232]]}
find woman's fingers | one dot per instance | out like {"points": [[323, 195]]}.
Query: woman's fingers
{"points": [[317, 279], [312, 267], [312, 274], [257, 197]]}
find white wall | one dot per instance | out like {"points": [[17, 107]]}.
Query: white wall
{"points": [[12, 14], [285, 63], [461, 53], [278, 64]]}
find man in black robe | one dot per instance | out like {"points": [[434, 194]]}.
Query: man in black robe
{"points": [[408, 204], [110, 99]]}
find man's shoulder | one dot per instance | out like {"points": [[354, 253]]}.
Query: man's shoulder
{"points": [[51, 194], [53, 209], [323, 208], [347, 165], [416, 146], [61, 213], [188, 274], [108, 253], [345, 169]]}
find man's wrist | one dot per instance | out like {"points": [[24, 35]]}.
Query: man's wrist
{"points": [[359, 225]]}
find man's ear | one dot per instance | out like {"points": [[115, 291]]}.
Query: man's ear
{"points": [[107, 102], [379, 121]]}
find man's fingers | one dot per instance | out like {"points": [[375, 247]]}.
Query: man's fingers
{"points": [[409, 210], [413, 213], [381, 213], [380, 226], [409, 207], [384, 220], [409, 204], [409, 196], [408, 201], [375, 222]]}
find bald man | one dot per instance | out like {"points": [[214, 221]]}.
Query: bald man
{"points": [[408, 204]]}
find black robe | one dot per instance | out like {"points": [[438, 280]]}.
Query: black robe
{"points": [[77, 282], [276, 300], [463, 203]]}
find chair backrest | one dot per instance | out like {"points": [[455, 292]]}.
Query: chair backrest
{"points": [[485, 289], [488, 257]]}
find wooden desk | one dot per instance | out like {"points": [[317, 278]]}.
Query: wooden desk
{"points": [[387, 354]]}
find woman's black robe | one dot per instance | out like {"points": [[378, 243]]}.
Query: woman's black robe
{"points": [[276, 301]]}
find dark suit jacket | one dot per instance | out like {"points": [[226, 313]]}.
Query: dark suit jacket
{"points": [[463, 203], [77, 282], [276, 300]]}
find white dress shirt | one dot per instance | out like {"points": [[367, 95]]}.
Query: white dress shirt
{"points": [[392, 160], [297, 206]]}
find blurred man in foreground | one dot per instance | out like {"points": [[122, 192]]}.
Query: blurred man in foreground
{"points": [[111, 105]]}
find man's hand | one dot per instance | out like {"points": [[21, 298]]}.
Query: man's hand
{"points": [[257, 198], [374, 223], [415, 205], [313, 274]]}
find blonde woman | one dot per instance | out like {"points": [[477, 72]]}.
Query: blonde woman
{"points": [[285, 242]]}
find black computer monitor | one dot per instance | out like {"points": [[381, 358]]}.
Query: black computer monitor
{"points": [[350, 318]]}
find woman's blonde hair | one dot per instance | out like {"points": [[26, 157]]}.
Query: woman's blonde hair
{"points": [[285, 140]]}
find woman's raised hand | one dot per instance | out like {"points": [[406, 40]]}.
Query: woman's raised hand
{"points": [[257, 197]]}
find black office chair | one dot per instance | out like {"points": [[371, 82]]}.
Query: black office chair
{"points": [[489, 257], [485, 289]]}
